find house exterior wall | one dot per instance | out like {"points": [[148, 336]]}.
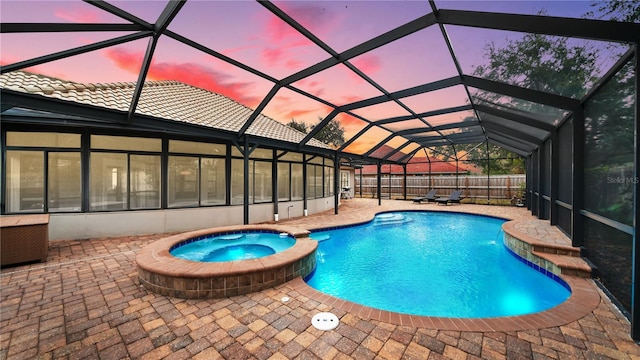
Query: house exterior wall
{"points": [[74, 226]]}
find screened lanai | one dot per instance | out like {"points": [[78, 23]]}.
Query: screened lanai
{"points": [[121, 109]]}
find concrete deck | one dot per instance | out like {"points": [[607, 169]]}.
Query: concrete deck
{"points": [[86, 302]]}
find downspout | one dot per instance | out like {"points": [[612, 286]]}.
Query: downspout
{"points": [[304, 184], [274, 184], [246, 180]]}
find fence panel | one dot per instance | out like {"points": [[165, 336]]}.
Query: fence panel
{"points": [[481, 187]]}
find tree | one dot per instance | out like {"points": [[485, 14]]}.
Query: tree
{"points": [[300, 126], [501, 161], [618, 10], [537, 62], [332, 133]]}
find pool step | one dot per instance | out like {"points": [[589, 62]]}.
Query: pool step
{"points": [[569, 265], [390, 219], [549, 249], [567, 258]]}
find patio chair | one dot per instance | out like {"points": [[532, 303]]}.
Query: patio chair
{"points": [[453, 198], [431, 196]]}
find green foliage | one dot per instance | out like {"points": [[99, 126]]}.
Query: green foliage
{"points": [[332, 133], [618, 10], [537, 62], [501, 161], [300, 126], [543, 63]]}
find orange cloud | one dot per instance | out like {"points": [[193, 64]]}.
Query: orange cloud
{"points": [[300, 113], [190, 73]]}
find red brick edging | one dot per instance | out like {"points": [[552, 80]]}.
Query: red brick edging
{"points": [[163, 273]]}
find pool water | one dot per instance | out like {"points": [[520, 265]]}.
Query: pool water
{"points": [[233, 247], [431, 264]]}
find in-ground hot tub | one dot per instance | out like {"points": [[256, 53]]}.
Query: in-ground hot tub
{"points": [[166, 274]]}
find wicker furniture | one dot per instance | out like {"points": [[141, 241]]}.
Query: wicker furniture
{"points": [[24, 238]]}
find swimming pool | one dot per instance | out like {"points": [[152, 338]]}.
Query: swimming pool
{"points": [[162, 272], [431, 264], [233, 246]]}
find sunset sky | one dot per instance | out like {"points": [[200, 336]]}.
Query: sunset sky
{"points": [[247, 32]]}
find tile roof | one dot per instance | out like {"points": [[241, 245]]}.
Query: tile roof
{"points": [[166, 99]]}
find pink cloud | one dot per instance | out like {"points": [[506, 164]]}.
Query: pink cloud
{"points": [[8, 59], [284, 38], [310, 15], [75, 14], [272, 56], [351, 98], [294, 64], [279, 31], [367, 63], [229, 52], [190, 73]]}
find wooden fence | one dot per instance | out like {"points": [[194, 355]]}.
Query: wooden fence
{"points": [[497, 186]]}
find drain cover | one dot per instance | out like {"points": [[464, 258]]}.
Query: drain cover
{"points": [[325, 321]]}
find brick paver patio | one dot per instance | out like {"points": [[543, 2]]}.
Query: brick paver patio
{"points": [[86, 302]]}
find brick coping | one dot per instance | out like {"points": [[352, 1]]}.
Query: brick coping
{"points": [[156, 257], [163, 273], [583, 300], [557, 258]]}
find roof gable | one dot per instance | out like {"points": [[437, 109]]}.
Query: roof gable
{"points": [[167, 99]]}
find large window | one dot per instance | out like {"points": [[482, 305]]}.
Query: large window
{"points": [[260, 177], [290, 180], [311, 181], [197, 179], [145, 181], [183, 179], [237, 181], [284, 181], [315, 174], [44, 173], [297, 183], [213, 186], [124, 173], [109, 181], [328, 177], [25, 181], [262, 182], [33, 187], [64, 187]]}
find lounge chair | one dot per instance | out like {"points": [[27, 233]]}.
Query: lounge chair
{"points": [[431, 196], [453, 198]]}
